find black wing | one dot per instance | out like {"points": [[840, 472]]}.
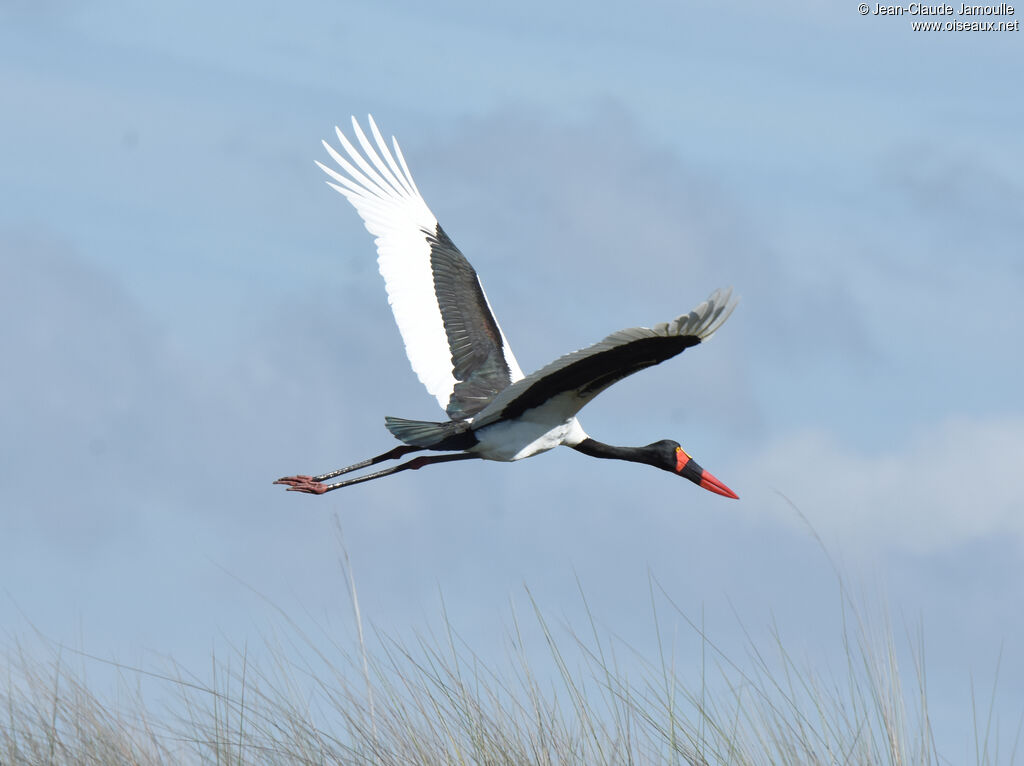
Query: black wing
{"points": [[480, 361], [580, 376]]}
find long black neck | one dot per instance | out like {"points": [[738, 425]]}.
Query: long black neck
{"points": [[594, 448]]}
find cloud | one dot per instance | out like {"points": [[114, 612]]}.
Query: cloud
{"points": [[963, 199], [136, 469], [83, 360], [956, 482]]}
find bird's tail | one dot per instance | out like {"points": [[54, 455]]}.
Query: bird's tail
{"points": [[453, 434]]}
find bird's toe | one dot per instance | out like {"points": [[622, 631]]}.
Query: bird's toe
{"points": [[312, 488], [301, 484]]}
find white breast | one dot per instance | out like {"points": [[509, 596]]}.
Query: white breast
{"points": [[536, 430]]}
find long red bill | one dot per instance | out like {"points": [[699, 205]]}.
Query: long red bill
{"points": [[711, 484]]}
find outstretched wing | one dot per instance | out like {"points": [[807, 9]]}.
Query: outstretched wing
{"points": [[451, 337], [576, 378]]}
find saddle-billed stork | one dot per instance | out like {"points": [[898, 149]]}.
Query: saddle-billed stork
{"points": [[460, 354]]}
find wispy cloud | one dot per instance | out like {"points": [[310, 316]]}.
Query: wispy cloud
{"points": [[952, 484]]}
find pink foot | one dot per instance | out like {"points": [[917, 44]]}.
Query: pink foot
{"points": [[302, 484]]}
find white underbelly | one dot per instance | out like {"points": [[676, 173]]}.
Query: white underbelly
{"points": [[536, 431]]}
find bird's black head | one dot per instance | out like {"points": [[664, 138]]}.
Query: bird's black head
{"points": [[668, 455]]}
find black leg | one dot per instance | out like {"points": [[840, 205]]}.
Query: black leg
{"points": [[394, 454], [294, 482], [314, 487]]}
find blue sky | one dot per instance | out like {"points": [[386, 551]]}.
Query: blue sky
{"points": [[188, 312]]}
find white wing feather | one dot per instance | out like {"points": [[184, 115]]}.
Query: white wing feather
{"points": [[384, 194]]}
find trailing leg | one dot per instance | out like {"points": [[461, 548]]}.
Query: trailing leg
{"points": [[314, 487], [309, 482]]}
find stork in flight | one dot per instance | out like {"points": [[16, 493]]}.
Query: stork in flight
{"points": [[460, 354]]}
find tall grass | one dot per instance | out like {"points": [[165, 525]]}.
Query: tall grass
{"points": [[433, 700]]}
